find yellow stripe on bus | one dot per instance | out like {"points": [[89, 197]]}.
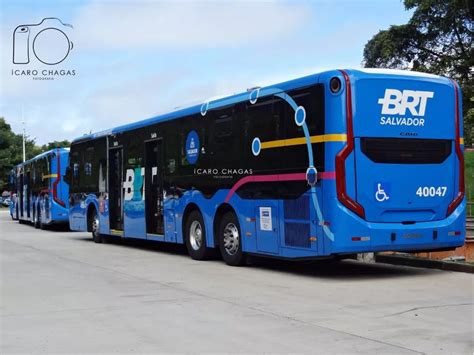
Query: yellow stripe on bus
{"points": [[50, 176], [302, 140]]}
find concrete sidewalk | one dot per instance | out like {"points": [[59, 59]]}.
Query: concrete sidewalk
{"points": [[63, 293]]}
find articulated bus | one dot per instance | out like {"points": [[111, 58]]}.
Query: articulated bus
{"points": [[42, 195], [328, 165]]}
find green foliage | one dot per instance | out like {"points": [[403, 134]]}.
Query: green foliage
{"points": [[469, 175], [11, 151], [437, 39], [55, 144]]}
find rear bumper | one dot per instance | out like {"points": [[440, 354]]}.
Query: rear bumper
{"points": [[353, 234]]}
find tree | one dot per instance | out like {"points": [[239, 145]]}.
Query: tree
{"points": [[11, 151], [56, 144], [437, 39]]}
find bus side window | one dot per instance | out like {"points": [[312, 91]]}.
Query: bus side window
{"points": [[75, 167], [33, 173], [89, 156], [76, 171], [133, 154], [223, 135], [102, 175], [263, 120], [312, 99]]}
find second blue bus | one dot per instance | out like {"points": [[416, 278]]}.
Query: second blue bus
{"points": [[41, 196]]}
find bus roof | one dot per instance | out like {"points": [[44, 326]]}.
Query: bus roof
{"points": [[42, 155], [227, 100]]}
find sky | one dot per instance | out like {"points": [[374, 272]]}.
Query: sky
{"points": [[132, 60]]}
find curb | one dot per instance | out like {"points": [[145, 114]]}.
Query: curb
{"points": [[425, 263]]}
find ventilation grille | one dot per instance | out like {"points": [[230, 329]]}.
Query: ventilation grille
{"points": [[406, 151], [297, 228], [297, 208], [297, 235]]}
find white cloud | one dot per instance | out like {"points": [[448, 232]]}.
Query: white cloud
{"points": [[118, 87], [178, 24]]}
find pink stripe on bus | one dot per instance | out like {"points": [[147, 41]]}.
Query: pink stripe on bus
{"points": [[275, 177]]}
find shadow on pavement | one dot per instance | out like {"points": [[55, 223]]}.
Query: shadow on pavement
{"points": [[350, 270]]}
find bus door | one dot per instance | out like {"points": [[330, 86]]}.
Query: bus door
{"points": [[21, 193], [154, 187], [28, 193], [116, 188]]}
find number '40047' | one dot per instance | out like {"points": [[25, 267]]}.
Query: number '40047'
{"points": [[431, 191]]}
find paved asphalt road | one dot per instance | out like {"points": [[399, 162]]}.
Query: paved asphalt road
{"points": [[63, 293]]}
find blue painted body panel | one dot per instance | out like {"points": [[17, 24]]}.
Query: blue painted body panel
{"points": [[50, 211], [330, 226]]}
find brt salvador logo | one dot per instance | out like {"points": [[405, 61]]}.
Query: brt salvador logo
{"points": [[396, 102]]}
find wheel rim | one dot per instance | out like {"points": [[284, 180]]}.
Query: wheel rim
{"points": [[195, 235], [231, 239], [95, 225]]}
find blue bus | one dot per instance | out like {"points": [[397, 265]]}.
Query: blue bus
{"points": [[41, 195], [12, 187], [328, 165]]}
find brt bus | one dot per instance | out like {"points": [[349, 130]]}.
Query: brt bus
{"points": [[335, 163], [12, 191], [41, 192]]}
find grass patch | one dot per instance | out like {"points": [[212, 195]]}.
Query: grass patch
{"points": [[469, 175]]}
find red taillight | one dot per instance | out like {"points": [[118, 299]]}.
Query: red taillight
{"points": [[360, 239], [460, 196], [341, 157], [56, 182]]}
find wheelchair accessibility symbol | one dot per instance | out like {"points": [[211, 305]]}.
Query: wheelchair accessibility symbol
{"points": [[380, 194]]}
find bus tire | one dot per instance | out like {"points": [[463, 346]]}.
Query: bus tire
{"points": [[95, 227], [230, 240], [195, 236]]}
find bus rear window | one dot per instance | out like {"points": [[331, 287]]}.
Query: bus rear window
{"points": [[406, 151]]}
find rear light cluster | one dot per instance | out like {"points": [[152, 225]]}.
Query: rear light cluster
{"points": [[460, 196], [360, 239], [341, 157]]}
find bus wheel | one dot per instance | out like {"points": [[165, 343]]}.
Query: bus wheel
{"points": [[230, 241], [195, 234], [95, 227]]}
